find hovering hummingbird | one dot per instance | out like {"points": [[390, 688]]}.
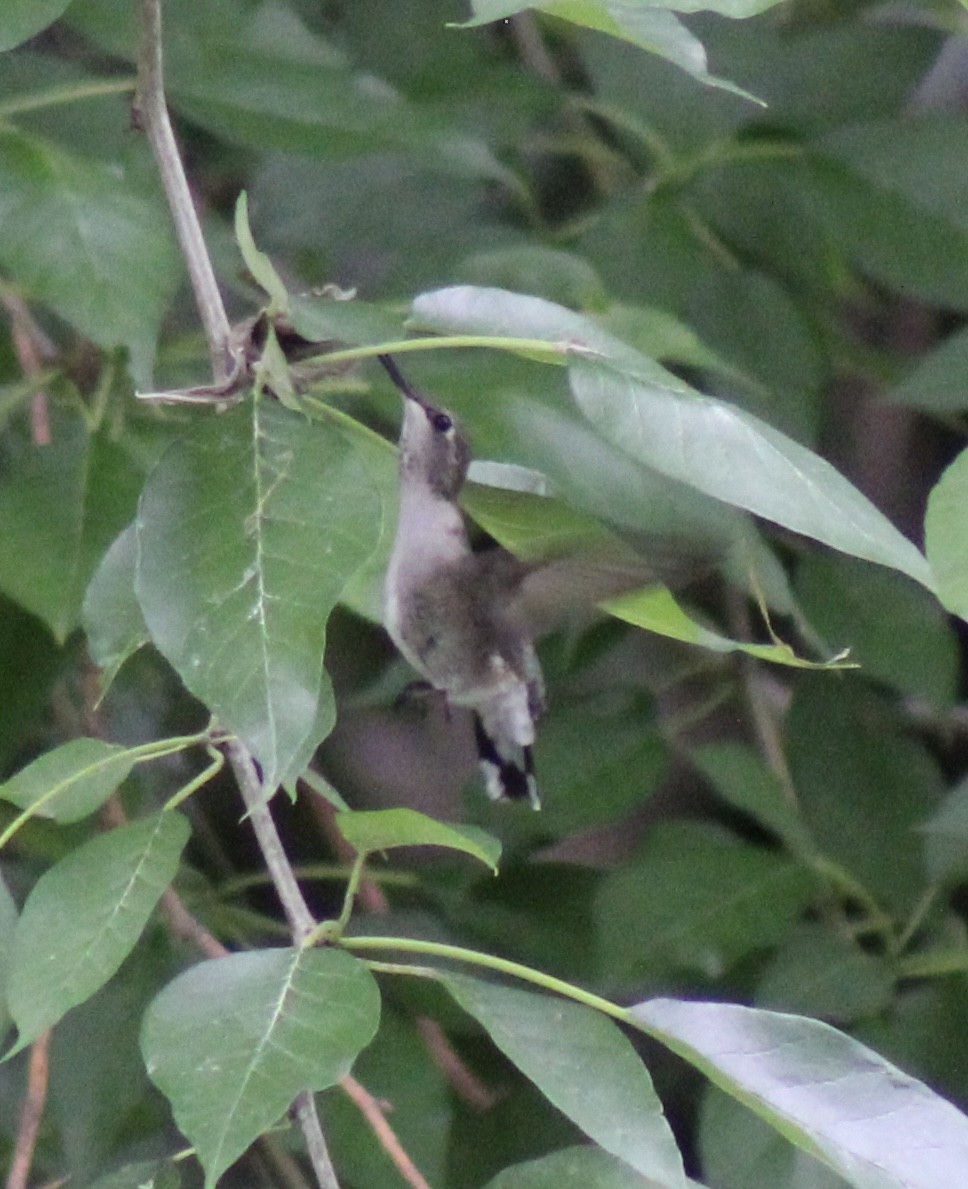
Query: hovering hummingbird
{"points": [[455, 614]]}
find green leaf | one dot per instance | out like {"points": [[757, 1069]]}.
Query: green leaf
{"points": [[145, 1174], [816, 972], [22, 19], [648, 413], [936, 383], [946, 535], [61, 506], [696, 899], [83, 240], [896, 631], [231, 1042], [741, 776], [738, 1150], [826, 1092], [70, 782], [862, 786], [258, 263], [946, 835], [733, 456], [573, 1168], [111, 615], [248, 531], [584, 1065], [382, 829], [318, 317], [83, 917], [656, 610]]}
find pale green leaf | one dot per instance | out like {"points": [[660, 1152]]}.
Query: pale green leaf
{"points": [[83, 917], [231, 1042], [656, 610], [826, 1092], [257, 262], [382, 829]]}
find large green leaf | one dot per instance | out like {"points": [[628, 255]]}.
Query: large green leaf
{"points": [[826, 1092], [84, 915], [231, 1042], [22, 19], [584, 1065], [647, 412], [61, 505], [81, 238], [249, 529]]}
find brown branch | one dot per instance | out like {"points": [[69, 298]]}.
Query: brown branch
{"points": [[464, 1082], [32, 348], [372, 1112], [32, 1112]]}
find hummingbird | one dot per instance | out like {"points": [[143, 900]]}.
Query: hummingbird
{"points": [[455, 614]]}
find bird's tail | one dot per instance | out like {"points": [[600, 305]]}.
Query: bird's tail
{"points": [[507, 767]]}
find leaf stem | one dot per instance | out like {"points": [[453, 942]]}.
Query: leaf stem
{"points": [[476, 958]]}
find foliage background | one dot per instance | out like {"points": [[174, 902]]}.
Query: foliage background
{"points": [[785, 838]]}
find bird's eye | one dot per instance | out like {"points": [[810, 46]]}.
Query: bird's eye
{"points": [[441, 422]]}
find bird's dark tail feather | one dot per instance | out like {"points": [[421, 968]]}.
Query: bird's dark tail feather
{"points": [[506, 777]]}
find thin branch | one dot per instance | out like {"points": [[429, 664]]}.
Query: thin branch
{"points": [[371, 1111], [464, 1082], [151, 114], [184, 925], [305, 1111], [297, 912], [32, 1113]]}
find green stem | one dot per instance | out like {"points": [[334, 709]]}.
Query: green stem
{"points": [[70, 93], [552, 351], [218, 762], [349, 897], [457, 953]]}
